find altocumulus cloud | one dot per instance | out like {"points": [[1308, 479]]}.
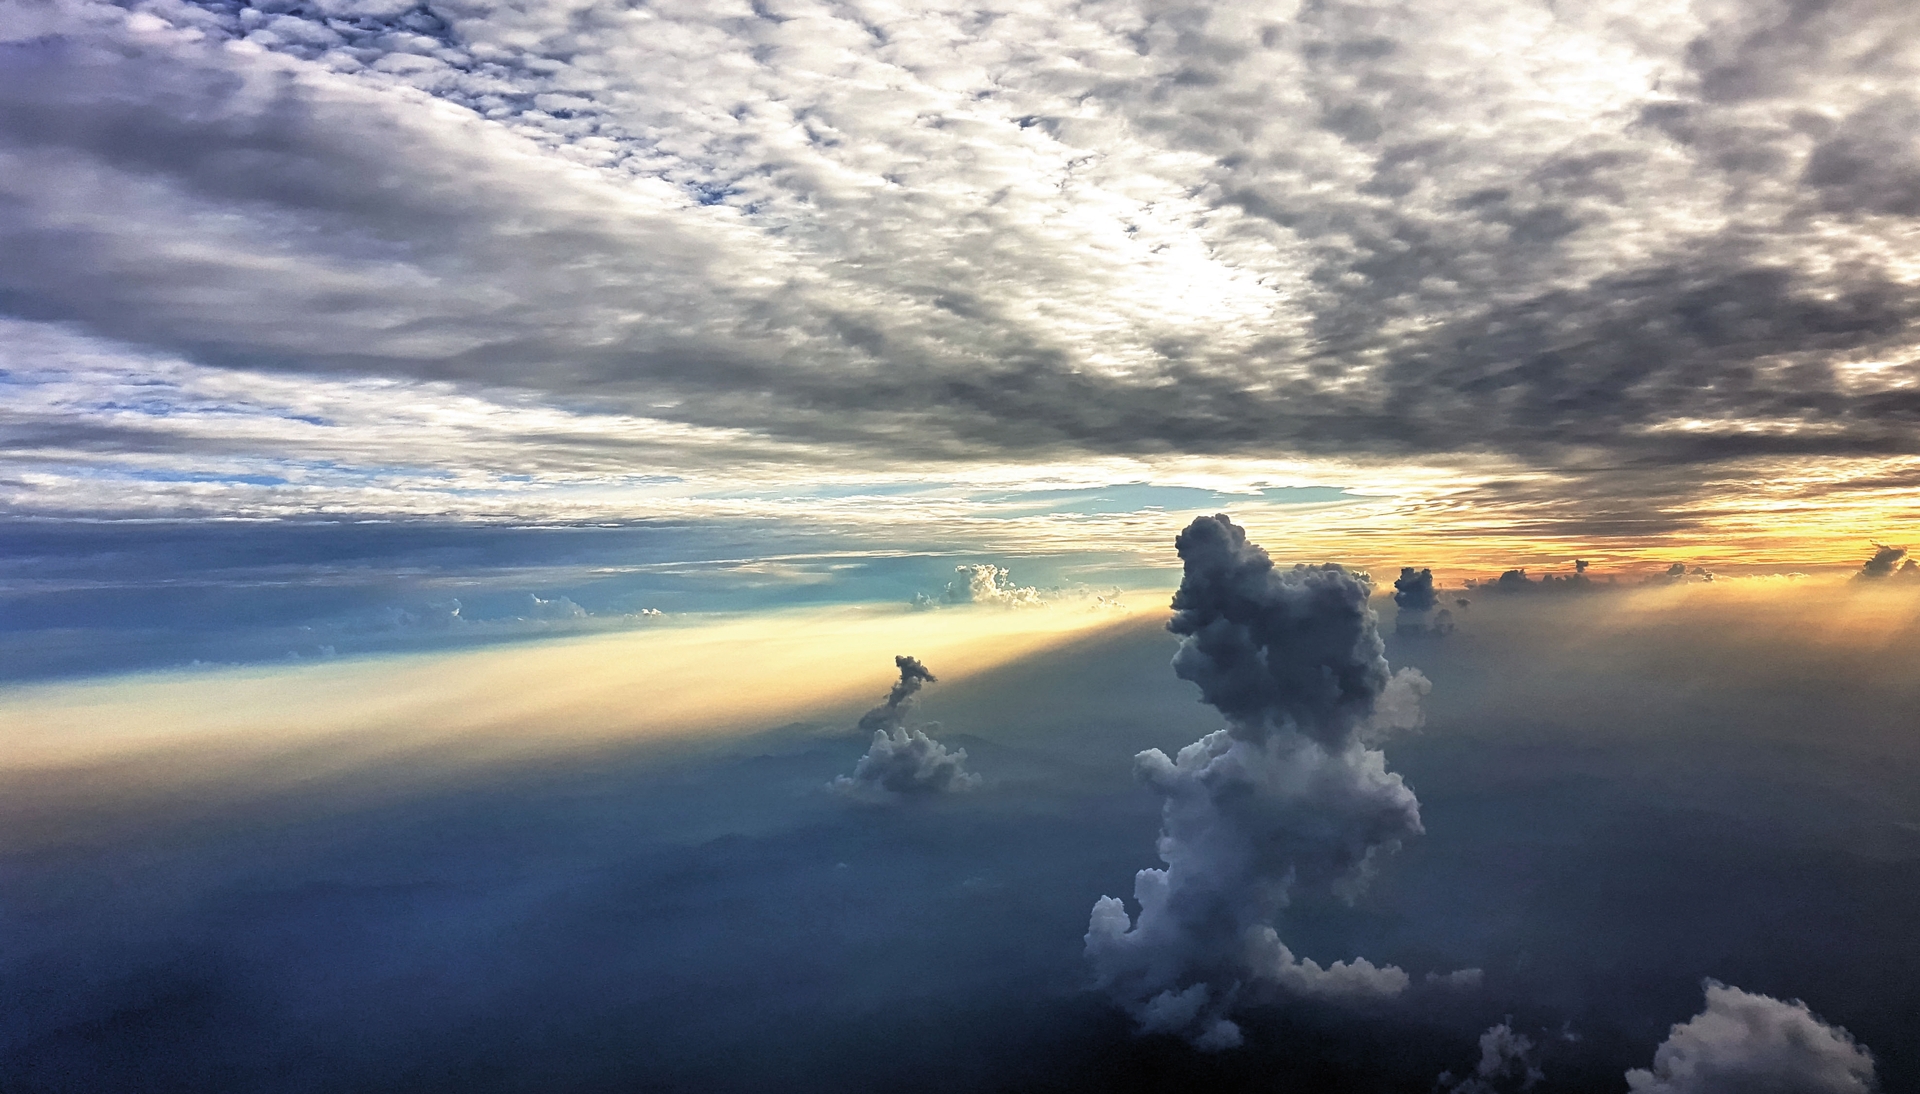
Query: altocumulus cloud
{"points": [[1289, 795], [1599, 236]]}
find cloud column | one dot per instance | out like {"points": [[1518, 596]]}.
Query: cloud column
{"points": [[1289, 794]]}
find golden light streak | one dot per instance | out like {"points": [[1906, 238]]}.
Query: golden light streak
{"points": [[118, 747]]}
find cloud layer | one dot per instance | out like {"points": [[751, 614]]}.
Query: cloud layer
{"points": [[1603, 241]]}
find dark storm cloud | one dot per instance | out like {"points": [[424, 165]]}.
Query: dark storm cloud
{"points": [[1289, 796], [903, 760], [1744, 1042], [1413, 590], [913, 676], [1886, 562], [1648, 236]]}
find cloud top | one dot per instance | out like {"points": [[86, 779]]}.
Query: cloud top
{"points": [[1413, 590], [1747, 1043]]}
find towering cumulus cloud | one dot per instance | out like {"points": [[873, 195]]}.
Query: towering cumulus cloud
{"points": [[1887, 562], [1414, 595], [904, 760], [1288, 795], [1745, 1043], [1413, 592]]}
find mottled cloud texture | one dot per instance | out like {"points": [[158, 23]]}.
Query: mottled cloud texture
{"points": [[1602, 239]]}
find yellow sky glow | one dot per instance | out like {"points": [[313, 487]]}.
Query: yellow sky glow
{"points": [[238, 733]]}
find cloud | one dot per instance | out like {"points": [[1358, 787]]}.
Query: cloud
{"points": [[913, 676], [903, 760], [989, 584], [1744, 1042], [1289, 796], [1413, 590], [1400, 705], [1517, 581], [559, 608], [1887, 562], [1680, 573], [1414, 595], [1508, 1062], [1648, 237]]}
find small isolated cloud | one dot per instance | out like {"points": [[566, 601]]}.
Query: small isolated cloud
{"points": [[1415, 596], [903, 761], [985, 583], [890, 714], [1745, 1043], [1413, 592], [1681, 574], [1288, 796], [1508, 1062], [1457, 980], [559, 609], [1887, 562]]}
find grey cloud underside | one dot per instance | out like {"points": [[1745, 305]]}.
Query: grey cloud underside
{"points": [[925, 236]]}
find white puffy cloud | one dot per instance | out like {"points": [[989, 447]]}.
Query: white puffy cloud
{"points": [[904, 761], [989, 584], [1746, 1043]]}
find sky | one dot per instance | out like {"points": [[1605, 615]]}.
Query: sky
{"points": [[579, 545], [1541, 281]]}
